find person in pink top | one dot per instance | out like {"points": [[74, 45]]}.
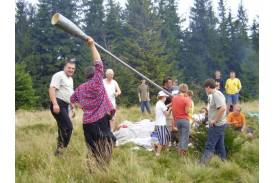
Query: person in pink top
{"points": [[92, 98], [181, 104]]}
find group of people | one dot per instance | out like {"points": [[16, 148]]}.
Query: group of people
{"points": [[97, 98], [144, 92], [232, 88], [181, 106], [215, 115]]}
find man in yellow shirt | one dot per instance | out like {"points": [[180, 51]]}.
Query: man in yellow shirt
{"points": [[232, 87], [237, 118]]}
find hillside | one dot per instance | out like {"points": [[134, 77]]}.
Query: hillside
{"points": [[36, 141]]}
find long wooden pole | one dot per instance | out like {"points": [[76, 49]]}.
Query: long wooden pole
{"points": [[68, 26]]}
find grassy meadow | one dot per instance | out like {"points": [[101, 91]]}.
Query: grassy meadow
{"points": [[36, 133]]}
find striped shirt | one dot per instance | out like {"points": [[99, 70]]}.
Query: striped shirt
{"points": [[93, 98]]}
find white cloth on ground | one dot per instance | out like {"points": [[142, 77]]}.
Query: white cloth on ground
{"points": [[138, 133]]}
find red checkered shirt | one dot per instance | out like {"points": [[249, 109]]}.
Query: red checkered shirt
{"points": [[93, 98]]}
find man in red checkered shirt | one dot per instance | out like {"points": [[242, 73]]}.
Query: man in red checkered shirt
{"points": [[91, 96]]}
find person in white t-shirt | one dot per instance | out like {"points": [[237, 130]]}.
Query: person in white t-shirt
{"points": [[60, 91], [164, 135], [112, 90]]}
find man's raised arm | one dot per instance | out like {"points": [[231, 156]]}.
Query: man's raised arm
{"points": [[95, 54]]}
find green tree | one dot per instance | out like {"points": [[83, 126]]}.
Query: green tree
{"points": [[51, 46], [200, 43], [24, 93], [93, 21], [239, 46], [112, 32], [147, 35], [255, 35], [250, 66], [112, 29], [23, 24], [142, 48], [230, 55], [171, 34], [224, 37]]}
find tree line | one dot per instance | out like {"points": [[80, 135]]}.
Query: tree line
{"points": [[147, 34]]}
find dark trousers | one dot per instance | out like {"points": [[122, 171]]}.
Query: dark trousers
{"points": [[214, 143], [64, 124], [99, 139]]}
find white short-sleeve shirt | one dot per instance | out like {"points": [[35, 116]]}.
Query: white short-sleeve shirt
{"points": [[160, 116], [110, 88], [64, 86]]}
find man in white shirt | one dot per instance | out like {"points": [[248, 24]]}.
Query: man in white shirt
{"points": [[112, 89], [61, 88]]}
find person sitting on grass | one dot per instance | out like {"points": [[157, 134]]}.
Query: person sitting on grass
{"points": [[200, 118], [237, 118], [163, 133]]}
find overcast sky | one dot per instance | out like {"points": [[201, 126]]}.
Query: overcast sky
{"points": [[252, 7]]}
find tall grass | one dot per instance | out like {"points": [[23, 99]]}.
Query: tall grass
{"points": [[36, 141]]}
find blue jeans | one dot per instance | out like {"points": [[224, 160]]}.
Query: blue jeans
{"points": [[214, 143], [183, 126], [232, 99], [145, 104]]}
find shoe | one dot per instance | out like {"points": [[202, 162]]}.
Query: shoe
{"points": [[58, 152]]}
